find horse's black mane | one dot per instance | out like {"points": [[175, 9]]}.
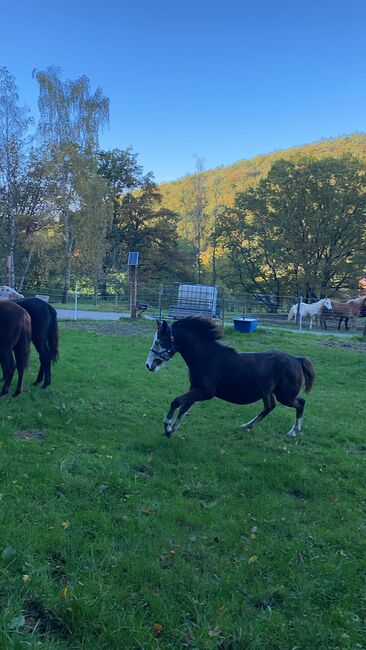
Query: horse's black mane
{"points": [[204, 328]]}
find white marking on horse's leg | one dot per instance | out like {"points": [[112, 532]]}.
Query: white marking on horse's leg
{"points": [[168, 425], [296, 428], [175, 424], [251, 423]]}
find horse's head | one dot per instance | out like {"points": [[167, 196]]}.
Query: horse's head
{"points": [[162, 348], [327, 303]]}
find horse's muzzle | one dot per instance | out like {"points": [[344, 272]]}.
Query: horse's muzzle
{"points": [[154, 366]]}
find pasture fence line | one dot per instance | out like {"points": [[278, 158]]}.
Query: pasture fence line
{"points": [[156, 300]]}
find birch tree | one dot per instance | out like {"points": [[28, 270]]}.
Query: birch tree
{"points": [[71, 117], [14, 126]]}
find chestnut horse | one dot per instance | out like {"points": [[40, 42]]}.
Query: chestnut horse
{"points": [[346, 311], [15, 340], [219, 371]]}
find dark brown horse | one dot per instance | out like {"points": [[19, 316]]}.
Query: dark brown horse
{"points": [[219, 371], [347, 311], [15, 339], [44, 335]]}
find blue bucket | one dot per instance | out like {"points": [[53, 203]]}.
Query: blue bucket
{"points": [[245, 325]]}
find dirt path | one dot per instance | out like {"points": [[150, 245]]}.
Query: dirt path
{"points": [[112, 328]]}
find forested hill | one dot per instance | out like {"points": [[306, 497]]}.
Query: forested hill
{"points": [[221, 184]]}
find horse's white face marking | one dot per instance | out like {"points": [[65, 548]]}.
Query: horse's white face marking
{"points": [[154, 362], [328, 303]]}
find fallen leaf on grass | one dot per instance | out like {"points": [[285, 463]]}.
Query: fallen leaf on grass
{"points": [[252, 559], [157, 629]]}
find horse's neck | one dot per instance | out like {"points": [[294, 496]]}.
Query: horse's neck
{"points": [[193, 352]]}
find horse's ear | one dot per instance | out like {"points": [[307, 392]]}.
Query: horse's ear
{"points": [[164, 325], [158, 323]]}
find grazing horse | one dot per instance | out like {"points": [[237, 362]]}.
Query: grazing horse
{"points": [[44, 335], [15, 338], [346, 311], [219, 371], [7, 293], [312, 311]]}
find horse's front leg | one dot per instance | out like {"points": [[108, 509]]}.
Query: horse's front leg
{"points": [[183, 403]]}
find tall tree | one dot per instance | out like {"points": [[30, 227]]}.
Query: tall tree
{"points": [[302, 228], [217, 210], [194, 212], [69, 113], [123, 174], [70, 120], [139, 221], [14, 125]]}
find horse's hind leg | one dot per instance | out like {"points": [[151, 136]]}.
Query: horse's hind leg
{"points": [[44, 372], [40, 374], [21, 363], [8, 368], [42, 354], [269, 403], [297, 403], [47, 369]]}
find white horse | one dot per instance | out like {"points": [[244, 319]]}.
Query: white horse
{"points": [[7, 293], [312, 311]]}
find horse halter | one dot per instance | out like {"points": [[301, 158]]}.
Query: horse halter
{"points": [[165, 354]]}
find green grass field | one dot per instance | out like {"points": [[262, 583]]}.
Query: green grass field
{"points": [[114, 537]]}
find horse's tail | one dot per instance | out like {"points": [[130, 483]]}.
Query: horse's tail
{"points": [[52, 337], [25, 341], [309, 373]]}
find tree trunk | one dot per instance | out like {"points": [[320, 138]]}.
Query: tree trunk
{"points": [[69, 246], [26, 269]]}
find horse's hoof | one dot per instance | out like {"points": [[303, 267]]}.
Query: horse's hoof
{"points": [[168, 428], [16, 393], [167, 434]]}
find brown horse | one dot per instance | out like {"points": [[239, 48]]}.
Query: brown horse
{"points": [[15, 337], [219, 371], [347, 311]]}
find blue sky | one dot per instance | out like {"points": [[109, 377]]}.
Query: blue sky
{"points": [[221, 80]]}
